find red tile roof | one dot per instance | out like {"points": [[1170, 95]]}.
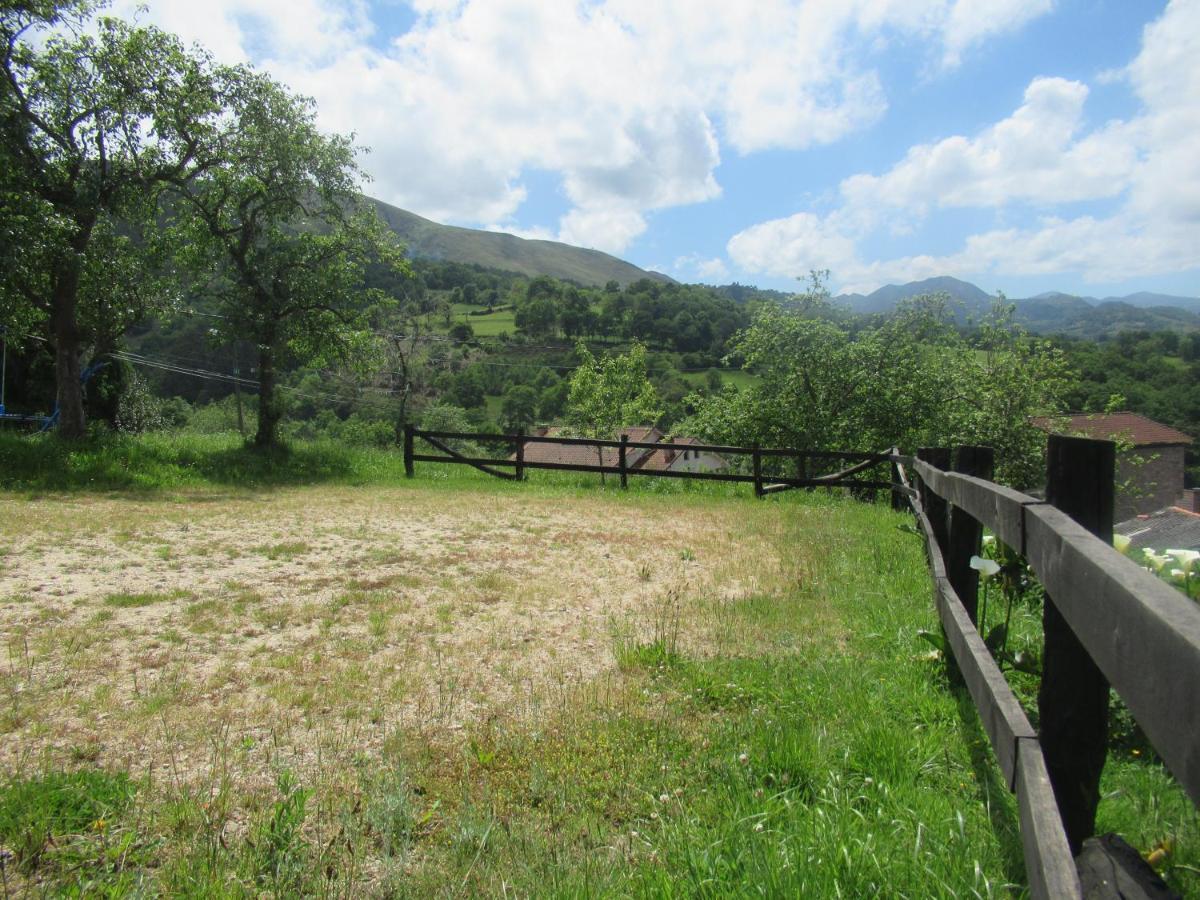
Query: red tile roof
{"points": [[1124, 425]]}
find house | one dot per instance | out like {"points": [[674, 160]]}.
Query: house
{"points": [[636, 458], [674, 460], [1176, 527], [1149, 466], [581, 454]]}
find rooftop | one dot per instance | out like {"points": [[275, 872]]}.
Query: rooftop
{"points": [[1131, 426]]}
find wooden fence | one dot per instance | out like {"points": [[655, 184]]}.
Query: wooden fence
{"points": [[765, 464], [1106, 622]]}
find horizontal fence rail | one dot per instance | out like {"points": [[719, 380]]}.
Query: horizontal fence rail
{"points": [[1049, 864], [1142, 633], [1142, 637], [765, 482]]}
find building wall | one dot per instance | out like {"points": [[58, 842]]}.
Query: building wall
{"points": [[1154, 484]]}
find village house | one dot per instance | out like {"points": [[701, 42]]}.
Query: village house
{"points": [[1150, 463], [636, 458]]}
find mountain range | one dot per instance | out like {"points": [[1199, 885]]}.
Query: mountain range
{"points": [[1048, 313]]}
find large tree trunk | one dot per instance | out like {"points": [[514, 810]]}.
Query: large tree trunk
{"points": [[65, 328], [268, 399]]}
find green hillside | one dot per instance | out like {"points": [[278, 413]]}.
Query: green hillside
{"points": [[508, 252]]}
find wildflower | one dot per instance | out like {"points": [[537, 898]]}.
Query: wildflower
{"points": [[986, 567], [744, 758], [989, 539], [1121, 542], [664, 798], [758, 827]]}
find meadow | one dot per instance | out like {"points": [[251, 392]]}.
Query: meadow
{"points": [[230, 675]]}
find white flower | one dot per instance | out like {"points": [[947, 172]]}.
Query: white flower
{"points": [[758, 827], [744, 758], [989, 539], [1147, 552], [1157, 561], [986, 567], [1187, 558], [664, 798], [1121, 542]]}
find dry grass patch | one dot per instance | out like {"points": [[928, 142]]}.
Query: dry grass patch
{"points": [[141, 630]]}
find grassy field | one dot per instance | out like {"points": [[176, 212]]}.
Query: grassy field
{"points": [[227, 676]]}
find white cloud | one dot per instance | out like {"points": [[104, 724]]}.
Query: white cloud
{"points": [[1146, 167], [628, 101], [793, 246], [1034, 156], [972, 21], [711, 270]]}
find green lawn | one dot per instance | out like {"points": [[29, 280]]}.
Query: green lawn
{"points": [[760, 718]]}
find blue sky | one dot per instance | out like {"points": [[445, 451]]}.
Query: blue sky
{"points": [[1025, 145]]}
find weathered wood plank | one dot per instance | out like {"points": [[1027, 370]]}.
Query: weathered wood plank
{"points": [[1049, 866], [931, 461], [850, 455], [1074, 695], [995, 506], [1002, 717], [1143, 634], [965, 530]]}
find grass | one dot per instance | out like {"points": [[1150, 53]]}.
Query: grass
{"points": [[762, 720]]}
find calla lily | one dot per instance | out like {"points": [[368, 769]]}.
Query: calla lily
{"points": [[1157, 561], [986, 567], [1187, 558], [1121, 542]]}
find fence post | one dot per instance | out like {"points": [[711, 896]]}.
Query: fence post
{"points": [[899, 501], [935, 506], [521, 458], [408, 451], [758, 488], [965, 532], [621, 461], [1073, 698]]}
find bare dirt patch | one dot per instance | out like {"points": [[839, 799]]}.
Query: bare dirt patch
{"points": [[303, 628]]}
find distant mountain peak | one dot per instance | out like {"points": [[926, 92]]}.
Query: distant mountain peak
{"points": [[507, 252], [1049, 312]]}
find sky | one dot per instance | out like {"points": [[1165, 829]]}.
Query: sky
{"points": [[1023, 145]]}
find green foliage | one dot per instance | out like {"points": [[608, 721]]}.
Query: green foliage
{"points": [[98, 115], [278, 219], [519, 408], [910, 380], [609, 393]]}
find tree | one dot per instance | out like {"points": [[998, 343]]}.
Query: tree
{"points": [[518, 408], [911, 380], [91, 126], [610, 393], [280, 222]]}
